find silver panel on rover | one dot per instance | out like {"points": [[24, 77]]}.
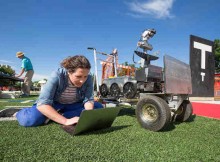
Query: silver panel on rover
{"points": [[177, 76]]}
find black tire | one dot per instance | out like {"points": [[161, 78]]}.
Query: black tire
{"points": [[129, 90], [153, 113], [103, 90], [115, 90], [184, 112]]}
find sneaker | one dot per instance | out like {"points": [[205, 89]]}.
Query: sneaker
{"points": [[8, 112]]}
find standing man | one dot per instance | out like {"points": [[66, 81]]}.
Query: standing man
{"points": [[26, 66]]}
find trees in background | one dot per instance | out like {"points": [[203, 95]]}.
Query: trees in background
{"points": [[8, 84], [6, 69], [217, 55]]}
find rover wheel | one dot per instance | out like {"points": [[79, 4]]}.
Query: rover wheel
{"points": [[185, 111], [129, 90], [104, 90], [115, 90], [153, 113]]}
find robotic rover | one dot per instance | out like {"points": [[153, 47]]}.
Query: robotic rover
{"points": [[162, 93]]}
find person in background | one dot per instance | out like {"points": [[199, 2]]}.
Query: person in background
{"points": [[66, 94], [26, 66]]}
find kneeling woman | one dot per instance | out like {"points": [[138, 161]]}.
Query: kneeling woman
{"points": [[66, 94]]}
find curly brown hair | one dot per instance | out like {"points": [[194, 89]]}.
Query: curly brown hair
{"points": [[72, 63]]}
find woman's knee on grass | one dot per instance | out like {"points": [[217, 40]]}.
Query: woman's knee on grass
{"points": [[30, 117]]}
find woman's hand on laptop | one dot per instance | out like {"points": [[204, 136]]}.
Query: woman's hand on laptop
{"points": [[89, 105], [72, 121]]}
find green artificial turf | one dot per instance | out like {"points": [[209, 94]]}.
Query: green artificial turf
{"points": [[194, 141], [18, 102]]}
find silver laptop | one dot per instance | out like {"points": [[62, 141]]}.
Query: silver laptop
{"points": [[91, 120]]}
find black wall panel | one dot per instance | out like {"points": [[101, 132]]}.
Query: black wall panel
{"points": [[202, 64]]}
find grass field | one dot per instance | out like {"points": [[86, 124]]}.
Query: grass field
{"points": [[195, 141]]}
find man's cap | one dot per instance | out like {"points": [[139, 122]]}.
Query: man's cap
{"points": [[18, 54]]}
